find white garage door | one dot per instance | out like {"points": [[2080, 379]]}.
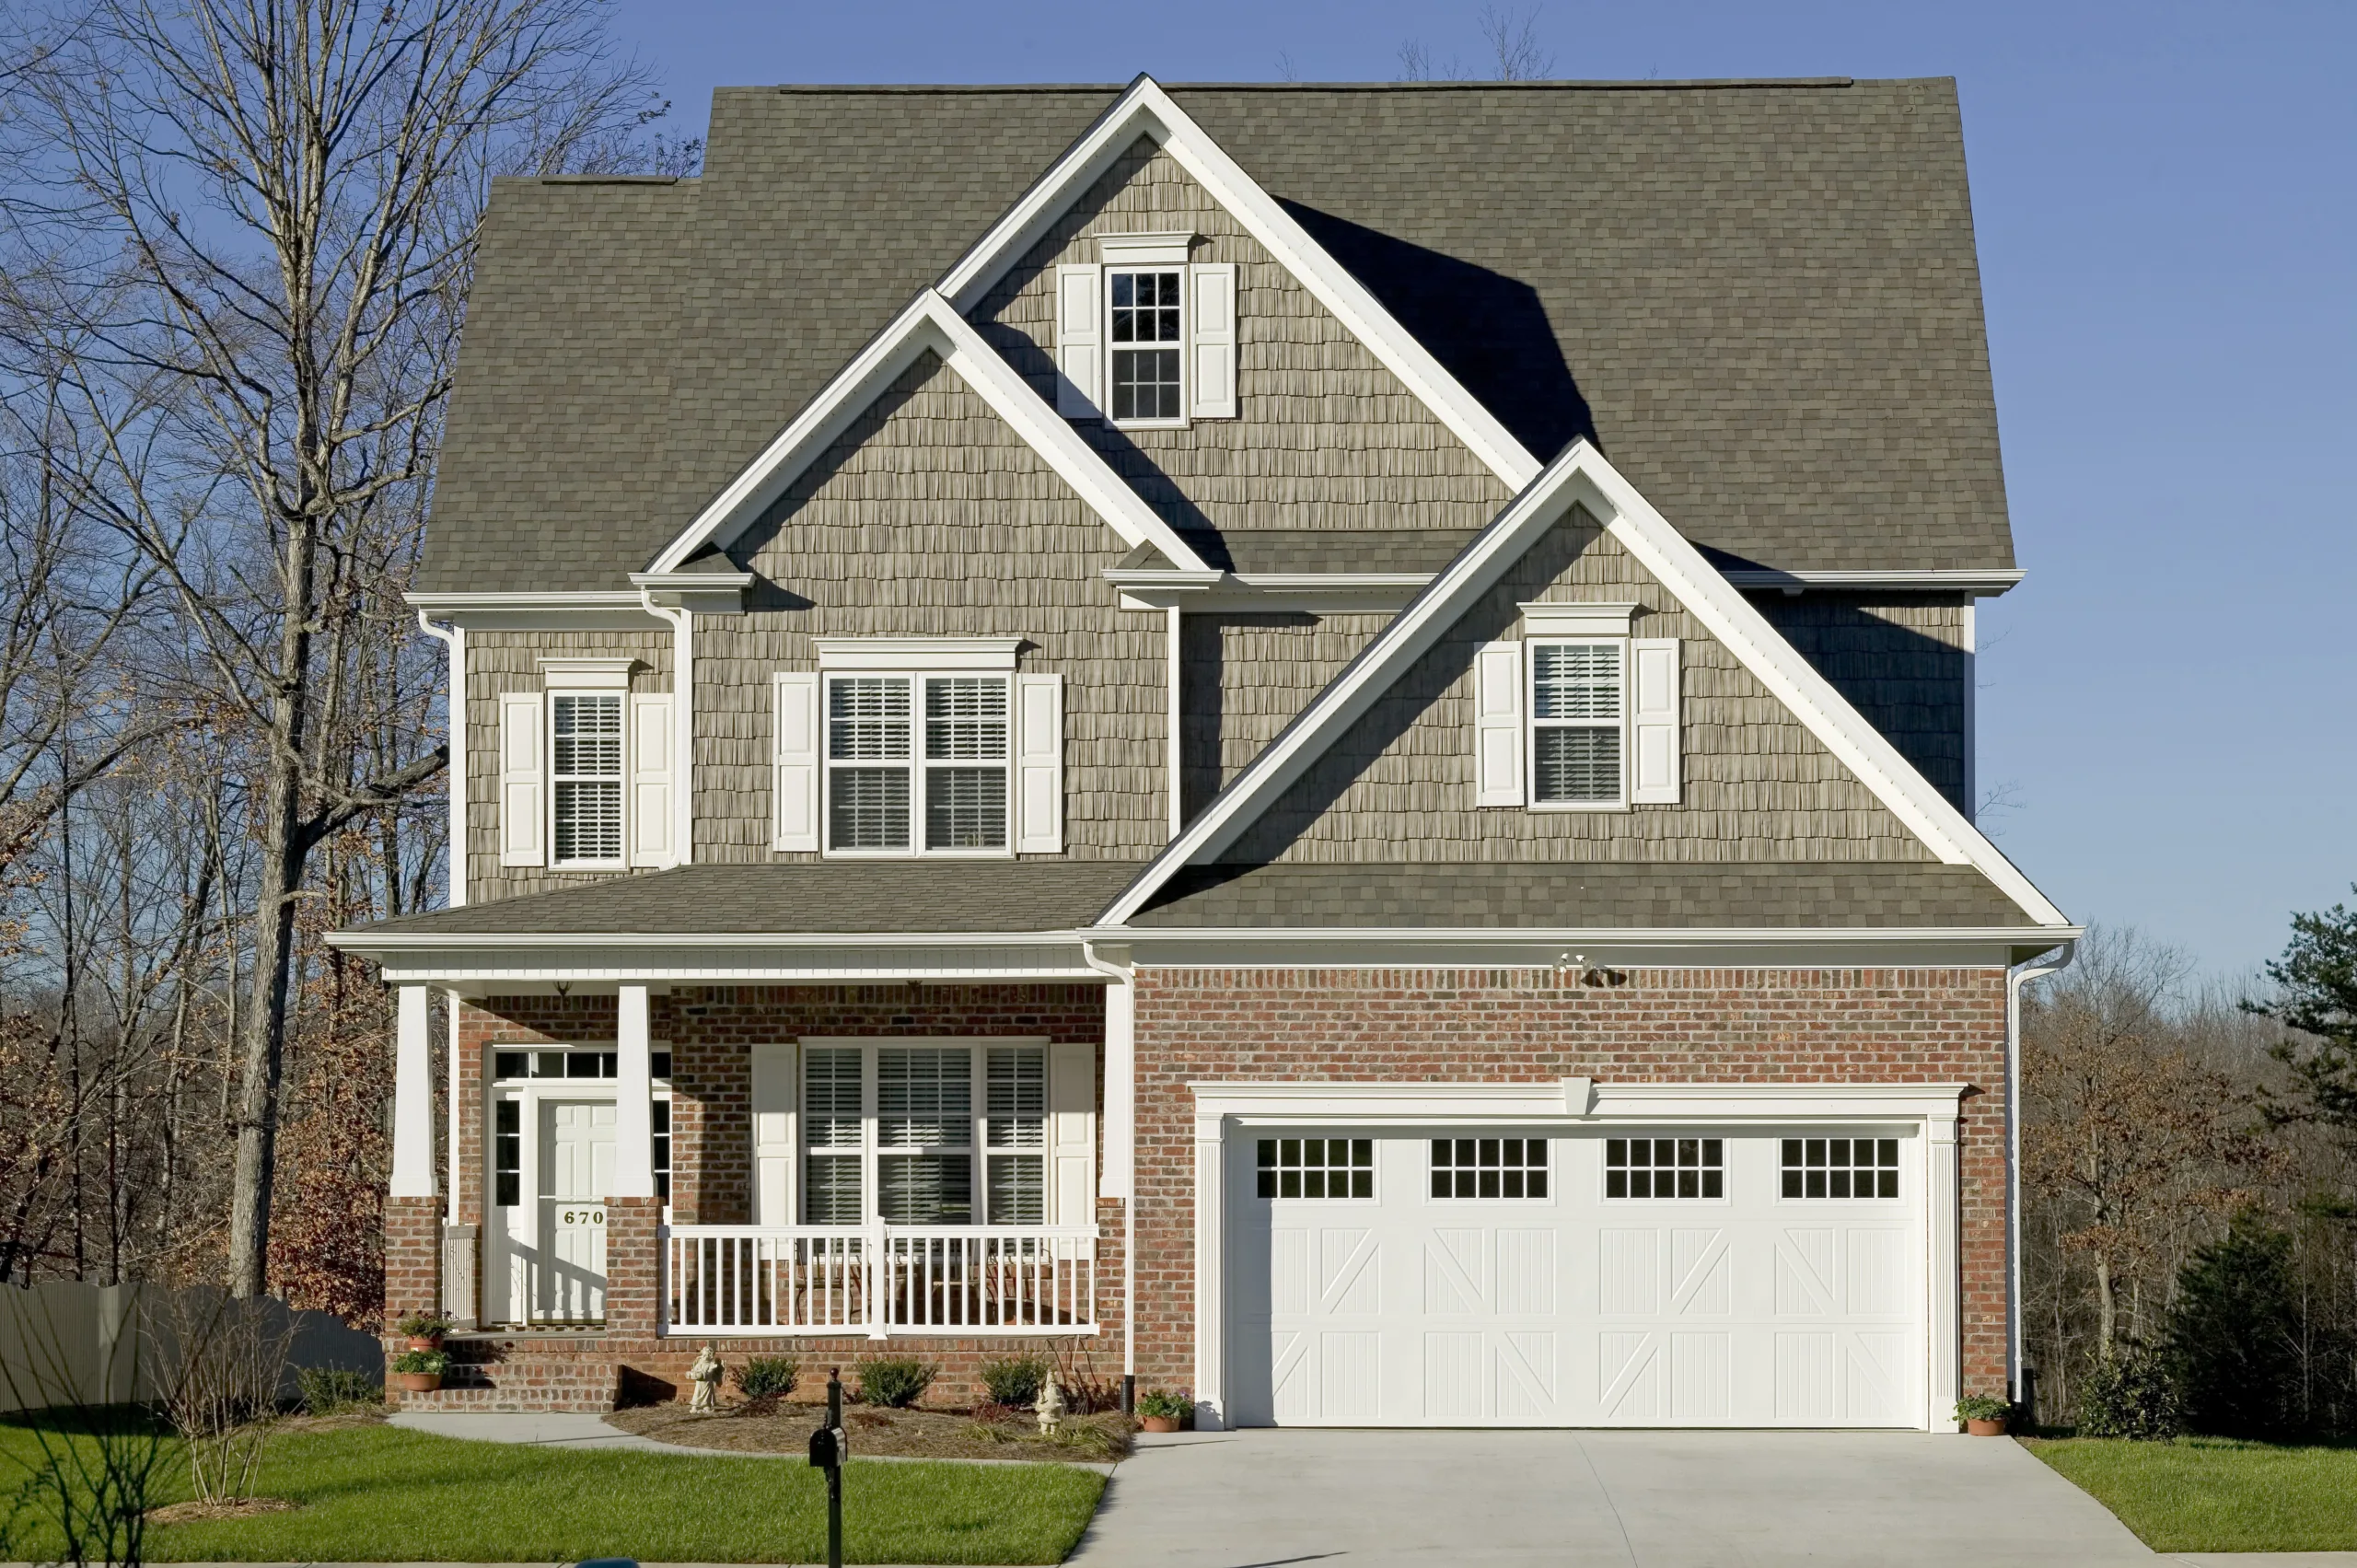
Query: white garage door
{"points": [[1679, 1277]]}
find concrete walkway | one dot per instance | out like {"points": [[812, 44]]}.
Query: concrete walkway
{"points": [[547, 1429]]}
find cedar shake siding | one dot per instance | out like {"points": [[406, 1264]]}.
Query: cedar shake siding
{"points": [[1900, 662], [930, 518], [1243, 678], [1328, 438], [510, 661], [1399, 784]]}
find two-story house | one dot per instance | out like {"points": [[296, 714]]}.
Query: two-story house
{"points": [[1316, 740]]}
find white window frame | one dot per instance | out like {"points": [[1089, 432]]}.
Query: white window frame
{"points": [[1532, 723], [978, 1148], [1180, 345], [620, 697], [917, 763]]}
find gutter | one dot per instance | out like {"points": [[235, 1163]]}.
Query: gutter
{"points": [[2051, 962], [453, 639]]}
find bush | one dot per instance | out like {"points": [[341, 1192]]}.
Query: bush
{"points": [[433, 1362], [1014, 1382], [2234, 1336], [334, 1390], [2132, 1395], [1164, 1405], [766, 1377], [895, 1382], [424, 1326], [1973, 1407]]}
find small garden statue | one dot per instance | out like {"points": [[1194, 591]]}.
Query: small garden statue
{"points": [[1051, 1405], [706, 1375]]}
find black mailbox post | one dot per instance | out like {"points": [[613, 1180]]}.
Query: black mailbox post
{"points": [[828, 1449]]}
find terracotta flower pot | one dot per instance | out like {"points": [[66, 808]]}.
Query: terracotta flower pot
{"points": [[425, 1341], [1159, 1422], [1993, 1427], [417, 1382]]}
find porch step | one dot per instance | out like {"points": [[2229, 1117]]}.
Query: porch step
{"points": [[563, 1374]]}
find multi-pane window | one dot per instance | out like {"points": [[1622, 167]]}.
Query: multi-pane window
{"points": [[918, 1117], [1316, 1167], [1489, 1167], [591, 1064], [878, 766], [1840, 1167], [661, 1155], [1575, 725], [1146, 311], [507, 1152], [1665, 1168], [585, 778]]}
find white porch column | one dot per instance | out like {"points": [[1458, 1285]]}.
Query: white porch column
{"points": [[412, 1096], [633, 1096]]}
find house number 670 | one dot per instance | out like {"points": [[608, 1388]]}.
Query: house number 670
{"points": [[584, 1216]]}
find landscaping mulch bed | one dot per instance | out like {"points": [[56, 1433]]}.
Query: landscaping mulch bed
{"points": [[784, 1428], [197, 1511]]}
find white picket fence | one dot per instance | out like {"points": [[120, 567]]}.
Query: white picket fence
{"points": [[879, 1280]]}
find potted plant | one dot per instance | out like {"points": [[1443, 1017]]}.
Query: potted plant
{"points": [[1984, 1415], [425, 1329], [1159, 1410], [420, 1371]]}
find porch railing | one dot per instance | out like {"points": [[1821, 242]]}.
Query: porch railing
{"points": [[879, 1280]]}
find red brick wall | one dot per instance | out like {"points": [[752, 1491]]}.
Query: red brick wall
{"points": [[412, 1256], [1506, 1026]]}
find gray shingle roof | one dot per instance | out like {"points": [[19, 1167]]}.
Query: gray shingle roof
{"points": [[1593, 894], [849, 897], [1761, 299]]}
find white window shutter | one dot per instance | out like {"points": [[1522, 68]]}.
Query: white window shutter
{"points": [[1080, 339], [523, 786], [795, 788], [1039, 764], [651, 765], [774, 1133], [1654, 721], [1497, 725], [1214, 382], [1072, 1132]]}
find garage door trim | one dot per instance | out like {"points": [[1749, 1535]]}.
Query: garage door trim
{"points": [[1222, 1105]]}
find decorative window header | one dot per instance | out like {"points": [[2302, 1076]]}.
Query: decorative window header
{"points": [[588, 674], [902, 654], [1163, 249], [1584, 619]]}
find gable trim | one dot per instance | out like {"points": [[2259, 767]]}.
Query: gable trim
{"points": [[1582, 477], [928, 323], [1144, 109]]}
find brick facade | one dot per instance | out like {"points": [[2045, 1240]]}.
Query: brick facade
{"points": [[412, 1256]]}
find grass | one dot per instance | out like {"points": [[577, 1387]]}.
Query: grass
{"points": [[371, 1493], [2214, 1494]]}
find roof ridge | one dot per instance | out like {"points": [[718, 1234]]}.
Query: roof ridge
{"points": [[1572, 83]]}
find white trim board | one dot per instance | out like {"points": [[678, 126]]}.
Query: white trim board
{"points": [[1582, 477], [928, 323]]}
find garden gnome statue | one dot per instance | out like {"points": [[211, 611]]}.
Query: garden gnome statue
{"points": [[1051, 1405], [705, 1375]]}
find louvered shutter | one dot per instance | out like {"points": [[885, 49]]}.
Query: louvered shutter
{"points": [[1497, 725], [1080, 339], [1654, 721], [652, 762], [1039, 764], [1072, 1132], [523, 785], [773, 1133], [1214, 340], [794, 789]]}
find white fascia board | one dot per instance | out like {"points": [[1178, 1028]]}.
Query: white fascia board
{"points": [[1582, 476], [928, 323], [1568, 1099], [579, 611], [1983, 584], [1143, 109], [1675, 949], [367, 943]]}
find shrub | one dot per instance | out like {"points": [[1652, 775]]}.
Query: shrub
{"points": [[431, 1361], [2132, 1395], [896, 1382], [1982, 1407], [334, 1390], [424, 1326], [766, 1377], [1164, 1405], [2234, 1336], [1014, 1382]]}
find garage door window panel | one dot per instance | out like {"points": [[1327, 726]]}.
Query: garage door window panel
{"points": [[1665, 1168], [1840, 1167], [1316, 1167], [1501, 1169]]}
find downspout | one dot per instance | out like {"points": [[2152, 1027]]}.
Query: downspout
{"points": [[683, 725], [1122, 1157], [2052, 961], [453, 639]]}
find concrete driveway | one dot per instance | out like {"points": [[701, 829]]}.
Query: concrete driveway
{"points": [[1259, 1499]]}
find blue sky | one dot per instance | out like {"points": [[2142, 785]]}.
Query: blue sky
{"points": [[2167, 203]]}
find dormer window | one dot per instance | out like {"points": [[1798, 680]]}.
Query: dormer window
{"points": [[1579, 715], [1145, 309], [1144, 336]]}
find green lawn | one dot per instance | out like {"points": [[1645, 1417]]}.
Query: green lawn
{"points": [[2211, 1494], [374, 1493]]}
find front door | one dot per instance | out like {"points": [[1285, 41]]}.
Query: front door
{"points": [[577, 1172]]}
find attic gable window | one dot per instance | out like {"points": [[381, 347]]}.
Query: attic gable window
{"points": [[1579, 715], [1144, 336], [1147, 318], [1575, 712]]}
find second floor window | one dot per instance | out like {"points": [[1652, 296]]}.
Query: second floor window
{"points": [[916, 765], [585, 778], [1575, 723], [1147, 322]]}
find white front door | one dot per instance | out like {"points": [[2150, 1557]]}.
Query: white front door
{"points": [[577, 1172], [1465, 1277]]}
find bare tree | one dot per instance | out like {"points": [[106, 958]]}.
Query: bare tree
{"points": [[276, 207], [1515, 48]]}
